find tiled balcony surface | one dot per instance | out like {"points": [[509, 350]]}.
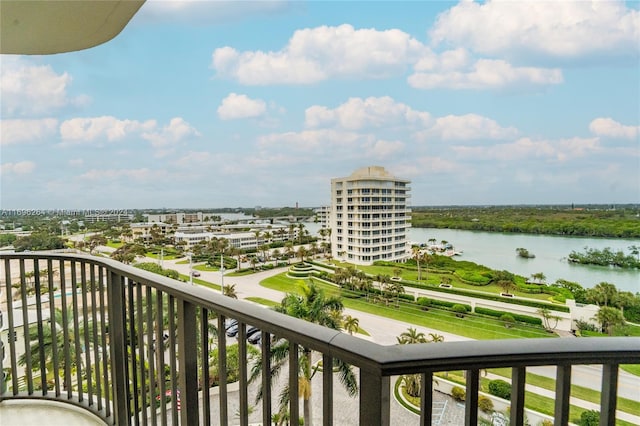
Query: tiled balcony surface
{"points": [[39, 413]]}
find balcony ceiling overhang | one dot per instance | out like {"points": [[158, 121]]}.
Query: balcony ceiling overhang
{"points": [[34, 27]]}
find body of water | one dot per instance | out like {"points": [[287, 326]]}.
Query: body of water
{"points": [[498, 251]]}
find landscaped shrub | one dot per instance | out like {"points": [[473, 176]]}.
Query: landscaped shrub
{"points": [[485, 404], [458, 393], [460, 310], [589, 418], [546, 422], [500, 388], [518, 317], [508, 320], [424, 303], [472, 277]]}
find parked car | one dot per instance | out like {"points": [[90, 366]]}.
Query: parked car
{"points": [[252, 331], [195, 273], [230, 323], [255, 339]]}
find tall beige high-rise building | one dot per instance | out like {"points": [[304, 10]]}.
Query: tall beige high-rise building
{"points": [[370, 217]]}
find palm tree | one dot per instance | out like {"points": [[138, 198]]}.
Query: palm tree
{"points": [[57, 343], [288, 248], [506, 286], [230, 291], [411, 336], [350, 324], [603, 293], [416, 255], [397, 289], [413, 382], [609, 318], [313, 306], [302, 252]]}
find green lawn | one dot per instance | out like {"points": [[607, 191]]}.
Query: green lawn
{"points": [[434, 278], [262, 301], [470, 326], [165, 257], [205, 267], [586, 394], [533, 401], [114, 245], [200, 282]]}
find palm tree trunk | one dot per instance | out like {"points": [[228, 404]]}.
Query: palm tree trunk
{"points": [[307, 412]]}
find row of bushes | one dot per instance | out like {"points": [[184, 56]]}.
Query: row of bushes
{"points": [[498, 314], [426, 302]]}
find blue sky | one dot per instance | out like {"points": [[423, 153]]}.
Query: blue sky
{"points": [[227, 104]]}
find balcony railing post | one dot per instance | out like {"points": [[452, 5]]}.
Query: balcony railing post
{"points": [[518, 381], [471, 403], [563, 393], [188, 363], [374, 398], [117, 348], [608, 395]]}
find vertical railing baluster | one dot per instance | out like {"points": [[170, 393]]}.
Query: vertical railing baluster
{"points": [[40, 326], [375, 400], [54, 332], [10, 325], [25, 326], [518, 382], [85, 327], [94, 336], [172, 361], [118, 348], [608, 395], [204, 343], [132, 336], [471, 402], [160, 355], [76, 329], [151, 346], [327, 390], [266, 377], [105, 343], [426, 398], [65, 330], [294, 404], [141, 358], [563, 393], [222, 372], [188, 360], [242, 374]]}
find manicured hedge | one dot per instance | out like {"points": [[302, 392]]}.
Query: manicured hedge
{"points": [[500, 388], [520, 318]]}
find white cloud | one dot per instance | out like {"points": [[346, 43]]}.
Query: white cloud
{"points": [[207, 12], [237, 106], [311, 141], [358, 113], [527, 149], [382, 149], [176, 131], [111, 129], [557, 29], [79, 130], [483, 74], [18, 130], [608, 127], [137, 175], [27, 89], [316, 54], [20, 168], [467, 127]]}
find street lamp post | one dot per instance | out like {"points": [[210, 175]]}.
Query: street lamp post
{"points": [[221, 273], [190, 268]]}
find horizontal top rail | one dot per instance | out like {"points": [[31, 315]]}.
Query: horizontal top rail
{"points": [[385, 360]]}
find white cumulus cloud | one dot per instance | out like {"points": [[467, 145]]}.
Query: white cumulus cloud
{"points": [[176, 131], [237, 106], [79, 130], [357, 113], [467, 127], [316, 54], [557, 29], [19, 168], [28, 89], [483, 74], [24, 130], [608, 127]]}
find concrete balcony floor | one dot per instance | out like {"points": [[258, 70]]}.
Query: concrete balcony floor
{"points": [[26, 412]]}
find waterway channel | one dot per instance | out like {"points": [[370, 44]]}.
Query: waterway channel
{"points": [[498, 251]]}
